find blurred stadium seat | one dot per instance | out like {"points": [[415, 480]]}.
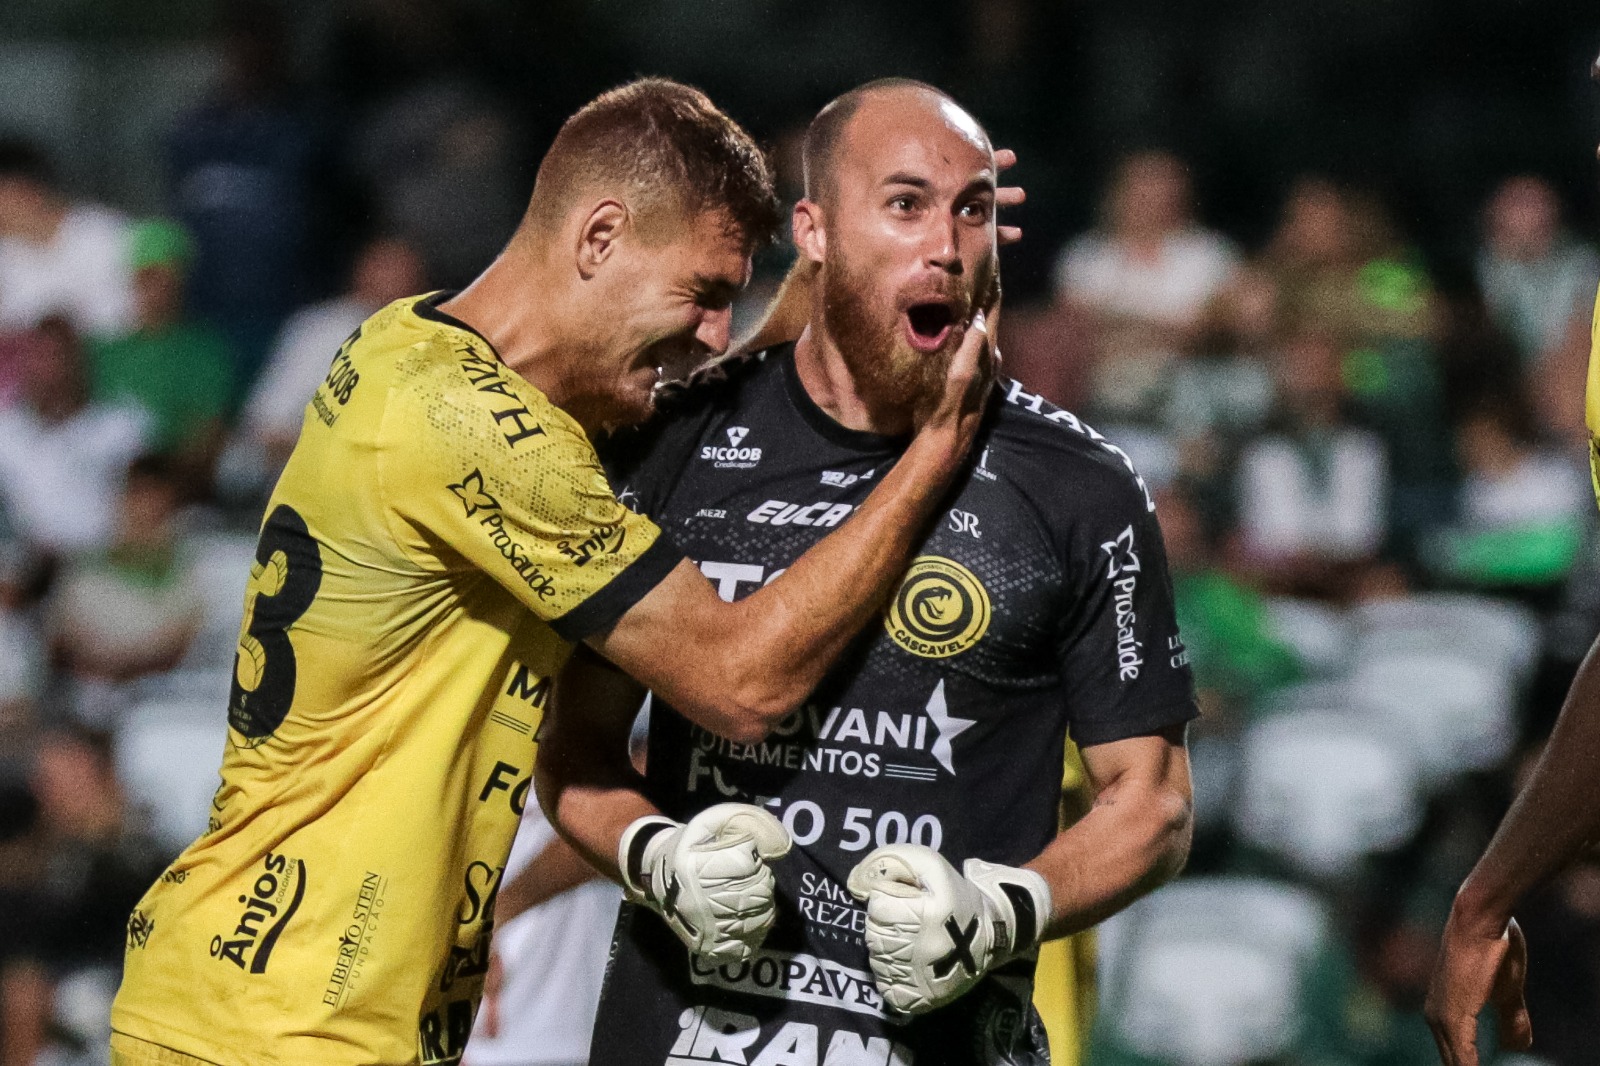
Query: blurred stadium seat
{"points": [[1320, 789], [168, 753], [1209, 972]]}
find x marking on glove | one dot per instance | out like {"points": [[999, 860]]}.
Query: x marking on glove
{"points": [[669, 902], [961, 952]]}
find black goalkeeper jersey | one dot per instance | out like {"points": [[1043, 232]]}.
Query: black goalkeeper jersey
{"points": [[1038, 605]]}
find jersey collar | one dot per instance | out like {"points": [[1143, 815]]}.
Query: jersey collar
{"points": [[859, 440]]}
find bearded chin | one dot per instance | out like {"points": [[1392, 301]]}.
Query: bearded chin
{"points": [[889, 374]]}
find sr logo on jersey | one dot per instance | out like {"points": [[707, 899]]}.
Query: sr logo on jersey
{"points": [[940, 610]]}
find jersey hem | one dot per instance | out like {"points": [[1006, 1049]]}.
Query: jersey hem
{"points": [[618, 596]]}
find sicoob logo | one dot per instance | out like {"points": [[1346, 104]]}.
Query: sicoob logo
{"points": [[735, 456], [274, 897], [941, 609]]}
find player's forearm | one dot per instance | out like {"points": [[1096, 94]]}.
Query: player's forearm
{"points": [[592, 815], [789, 633], [1134, 839], [1552, 821]]}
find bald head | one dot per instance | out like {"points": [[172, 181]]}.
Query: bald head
{"points": [[828, 133]]}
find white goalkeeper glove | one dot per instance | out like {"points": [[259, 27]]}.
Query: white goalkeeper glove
{"points": [[932, 933], [708, 878]]}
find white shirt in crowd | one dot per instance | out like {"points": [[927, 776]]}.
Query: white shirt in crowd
{"points": [[1172, 289], [1331, 509], [1543, 488], [299, 362], [554, 957], [82, 273], [60, 483]]}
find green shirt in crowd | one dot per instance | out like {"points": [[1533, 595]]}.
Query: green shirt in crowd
{"points": [[182, 375]]}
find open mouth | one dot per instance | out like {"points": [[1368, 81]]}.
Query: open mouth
{"points": [[928, 325]]}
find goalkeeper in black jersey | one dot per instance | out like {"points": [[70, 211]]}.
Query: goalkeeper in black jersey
{"points": [[909, 808]]}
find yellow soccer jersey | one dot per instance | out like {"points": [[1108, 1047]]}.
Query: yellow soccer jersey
{"points": [[1591, 406], [441, 534]]}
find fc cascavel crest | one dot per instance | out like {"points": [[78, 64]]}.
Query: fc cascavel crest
{"points": [[940, 610]]}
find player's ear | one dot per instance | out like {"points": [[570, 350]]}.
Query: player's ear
{"points": [[810, 236], [598, 235]]}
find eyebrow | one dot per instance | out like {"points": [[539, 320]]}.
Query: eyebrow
{"points": [[976, 185], [901, 178]]}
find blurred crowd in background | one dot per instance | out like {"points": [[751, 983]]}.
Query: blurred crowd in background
{"points": [[1326, 275]]}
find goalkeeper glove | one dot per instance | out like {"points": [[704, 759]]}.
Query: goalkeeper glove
{"points": [[932, 933], [708, 878]]}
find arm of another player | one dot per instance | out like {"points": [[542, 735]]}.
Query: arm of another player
{"points": [[708, 879], [739, 668], [1483, 959], [556, 869]]}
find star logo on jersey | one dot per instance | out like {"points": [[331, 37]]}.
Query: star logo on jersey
{"points": [[1124, 560], [940, 610], [948, 725], [472, 495]]}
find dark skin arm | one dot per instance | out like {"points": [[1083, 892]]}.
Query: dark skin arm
{"points": [[1483, 960]]}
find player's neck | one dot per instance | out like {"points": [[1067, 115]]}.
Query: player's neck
{"points": [[524, 331], [832, 387]]}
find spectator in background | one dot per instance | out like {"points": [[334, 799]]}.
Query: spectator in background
{"points": [[1144, 279], [58, 257], [440, 161], [132, 610], [1236, 654], [1343, 272], [62, 456], [245, 169], [1535, 276], [90, 864], [174, 366], [24, 984], [1523, 510], [385, 270], [1312, 492]]}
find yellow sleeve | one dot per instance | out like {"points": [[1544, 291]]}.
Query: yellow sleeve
{"points": [[1591, 406], [512, 485], [1064, 982]]}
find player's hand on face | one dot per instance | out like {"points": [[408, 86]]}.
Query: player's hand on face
{"points": [[932, 933], [952, 416], [1007, 195], [709, 878], [1474, 971]]}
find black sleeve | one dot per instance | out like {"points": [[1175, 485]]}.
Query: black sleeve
{"points": [[1125, 670], [644, 463]]}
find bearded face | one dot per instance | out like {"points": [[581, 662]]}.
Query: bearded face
{"points": [[898, 342]]}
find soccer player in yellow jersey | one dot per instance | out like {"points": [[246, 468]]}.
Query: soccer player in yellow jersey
{"points": [[440, 538], [1483, 960]]}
